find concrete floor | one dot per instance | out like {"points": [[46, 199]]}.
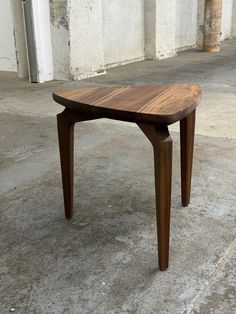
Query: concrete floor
{"points": [[105, 259]]}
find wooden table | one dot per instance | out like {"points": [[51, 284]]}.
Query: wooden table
{"points": [[152, 108]]}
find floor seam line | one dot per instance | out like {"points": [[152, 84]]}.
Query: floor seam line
{"points": [[219, 265]]}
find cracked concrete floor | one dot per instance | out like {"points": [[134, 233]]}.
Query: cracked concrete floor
{"points": [[105, 259]]}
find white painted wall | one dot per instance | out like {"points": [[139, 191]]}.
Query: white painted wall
{"points": [[200, 21], [150, 29], [86, 38], [226, 24], [7, 48], [123, 30], [90, 35], [169, 26], [165, 28], [59, 10], [61, 52], [234, 19], [185, 23], [104, 33], [20, 41]]}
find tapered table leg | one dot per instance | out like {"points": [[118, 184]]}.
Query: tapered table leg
{"points": [[65, 124], [162, 145], [187, 128]]}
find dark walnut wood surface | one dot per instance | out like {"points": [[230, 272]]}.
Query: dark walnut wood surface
{"points": [[163, 104]]}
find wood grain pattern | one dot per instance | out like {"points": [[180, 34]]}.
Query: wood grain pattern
{"points": [[187, 130], [65, 126], [152, 108], [163, 104], [162, 145]]}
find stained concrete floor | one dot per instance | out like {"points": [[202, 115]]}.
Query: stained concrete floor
{"points": [[105, 259]]}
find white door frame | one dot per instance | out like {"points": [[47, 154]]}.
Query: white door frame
{"points": [[38, 37]]}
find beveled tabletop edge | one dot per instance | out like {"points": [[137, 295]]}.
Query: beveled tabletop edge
{"points": [[124, 115]]}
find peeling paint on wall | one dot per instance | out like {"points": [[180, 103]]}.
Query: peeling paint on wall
{"points": [[200, 21], [58, 13], [19, 38], [59, 18]]}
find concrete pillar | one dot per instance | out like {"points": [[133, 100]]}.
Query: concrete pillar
{"points": [[159, 23], [212, 25], [86, 38]]}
